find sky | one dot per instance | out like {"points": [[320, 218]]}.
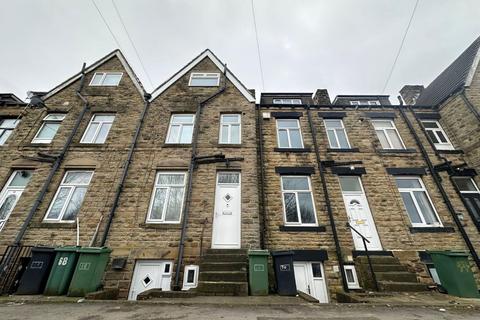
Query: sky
{"points": [[345, 46]]}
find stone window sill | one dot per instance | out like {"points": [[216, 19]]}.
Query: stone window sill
{"points": [[229, 145], [390, 151], [292, 150], [450, 151], [161, 225], [56, 225], [432, 229], [303, 228], [177, 145], [343, 150]]}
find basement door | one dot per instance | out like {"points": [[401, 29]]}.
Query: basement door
{"points": [[310, 279], [227, 221], [359, 214], [150, 274]]}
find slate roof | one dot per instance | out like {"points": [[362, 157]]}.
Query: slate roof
{"points": [[455, 76]]}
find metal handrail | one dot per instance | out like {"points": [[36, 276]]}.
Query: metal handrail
{"points": [[365, 240]]}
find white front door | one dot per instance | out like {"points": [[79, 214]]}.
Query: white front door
{"points": [[150, 274], [310, 279], [8, 200], [359, 215], [227, 221]]}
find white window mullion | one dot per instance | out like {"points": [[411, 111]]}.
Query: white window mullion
{"points": [[419, 210], [167, 199], [298, 208], [67, 201]]}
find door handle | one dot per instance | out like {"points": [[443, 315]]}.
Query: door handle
{"points": [[308, 288]]}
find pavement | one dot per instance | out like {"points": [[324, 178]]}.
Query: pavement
{"points": [[412, 306]]}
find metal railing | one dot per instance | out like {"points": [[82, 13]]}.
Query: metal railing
{"points": [[12, 265], [365, 241]]}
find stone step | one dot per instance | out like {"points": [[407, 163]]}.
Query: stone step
{"points": [[401, 286], [396, 276], [158, 293], [379, 260], [226, 251], [229, 276], [223, 288], [388, 267], [223, 266], [224, 258]]}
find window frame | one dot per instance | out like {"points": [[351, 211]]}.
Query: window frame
{"points": [[73, 187], [97, 131], [44, 122], [365, 103], [200, 75], [384, 129], [417, 207], [299, 223], [5, 190], [181, 128], [3, 130], [440, 145], [229, 131], [288, 135], [355, 284], [325, 121], [295, 101], [104, 75], [156, 186], [466, 178], [190, 285]]}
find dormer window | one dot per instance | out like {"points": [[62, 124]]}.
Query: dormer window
{"points": [[365, 103], [106, 79], [204, 79], [287, 101]]}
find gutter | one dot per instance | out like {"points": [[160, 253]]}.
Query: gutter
{"points": [[321, 169], [56, 164], [438, 182], [191, 168], [126, 166]]}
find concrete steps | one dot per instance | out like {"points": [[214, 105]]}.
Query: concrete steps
{"points": [[391, 275], [223, 273]]}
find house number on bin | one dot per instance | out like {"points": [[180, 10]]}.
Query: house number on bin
{"points": [[63, 261], [258, 267], [284, 267]]}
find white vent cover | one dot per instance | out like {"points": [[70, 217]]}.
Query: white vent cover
{"points": [[266, 115]]}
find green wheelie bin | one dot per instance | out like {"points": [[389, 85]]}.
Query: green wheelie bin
{"points": [[62, 271], [258, 272], [455, 274], [89, 271]]}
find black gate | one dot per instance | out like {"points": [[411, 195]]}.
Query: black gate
{"points": [[12, 265]]}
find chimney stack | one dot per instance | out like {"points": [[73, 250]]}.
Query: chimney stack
{"points": [[321, 97], [410, 93]]}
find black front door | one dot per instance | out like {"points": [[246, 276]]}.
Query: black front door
{"points": [[472, 201]]}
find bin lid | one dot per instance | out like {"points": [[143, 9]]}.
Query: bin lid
{"points": [[43, 249], [282, 253], [68, 248], [258, 253], [95, 250], [450, 253]]}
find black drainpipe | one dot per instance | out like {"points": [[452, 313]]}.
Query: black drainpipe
{"points": [[56, 164], [470, 106], [191, 168], [437, 180], [321, 169], [126, 166], [262, 198]]}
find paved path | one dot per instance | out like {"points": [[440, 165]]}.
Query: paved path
{"points": [[147, 311]]}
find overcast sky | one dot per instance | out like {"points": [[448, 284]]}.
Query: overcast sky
{"points": [[345, 46]]}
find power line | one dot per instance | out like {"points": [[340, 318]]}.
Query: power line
{"points": [[133, 45], [258, 47], [106, 24], [401, 47]]}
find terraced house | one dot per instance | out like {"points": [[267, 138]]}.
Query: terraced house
{"points": [[355, 193]]}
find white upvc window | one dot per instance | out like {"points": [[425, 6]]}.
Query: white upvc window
{"points": [[199, 79], [166, 204], [417, 202], [298, 205], [466, 185], [98, 128], [337, 136], [388, 134], [190, 277], [69, 197], [230, 129], [471, 196], [289, 134], [180, 129], [351, 276], [11, 192], [49, 128], [106, 79], [287, 101], [365, 103], [6, 129], [439, 138]]}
